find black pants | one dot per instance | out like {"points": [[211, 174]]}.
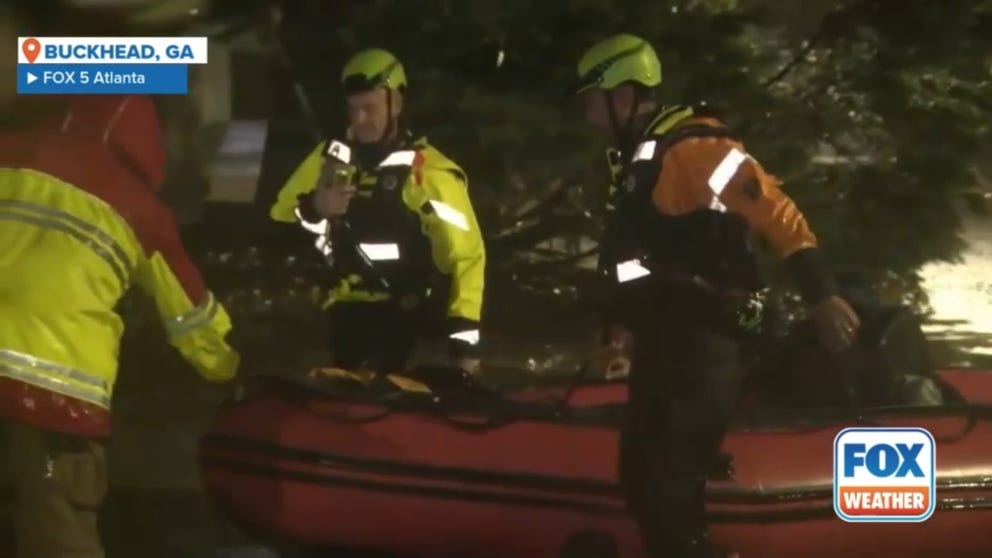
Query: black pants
{"points": [[683, 385], [377, 335]]}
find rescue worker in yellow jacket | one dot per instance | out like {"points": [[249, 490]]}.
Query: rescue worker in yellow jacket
{"points": [[79, 225], [683, 283], [393, 216]]}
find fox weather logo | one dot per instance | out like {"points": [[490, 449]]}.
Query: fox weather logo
{"points": [[884, 474]]}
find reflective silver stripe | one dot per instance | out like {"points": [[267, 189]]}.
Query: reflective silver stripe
{"points": [[319, 229], [118, 112], [323, 245], [102, 236], [54, 384], [109, 250], [194, 319], [470, 336], [399, 159], [339, 151], [316, 228], [38, 372], [449, 214], [32, 361], [630, 270], [722, 174], [380, 252], [644, 151]]}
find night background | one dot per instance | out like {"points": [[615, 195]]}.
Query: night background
{"points": [[875, 113]]}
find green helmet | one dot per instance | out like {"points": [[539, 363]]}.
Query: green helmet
{"points": [[616, 60], [373, 68]]}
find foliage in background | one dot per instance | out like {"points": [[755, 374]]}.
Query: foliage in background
{"points": [[871, 112], [872, 119]]}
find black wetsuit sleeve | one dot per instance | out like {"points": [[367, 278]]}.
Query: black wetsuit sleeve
{"points": [[812, 275]]}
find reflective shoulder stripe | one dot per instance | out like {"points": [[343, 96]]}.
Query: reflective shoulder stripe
{"points": [[659, 126], [722, 175], [196, 318], [726, 170], [403, 158], [55, 377], [89, 235], [655, 146]]}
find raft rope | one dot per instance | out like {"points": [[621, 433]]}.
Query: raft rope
{"points": [[473, 396], [504, 411]]}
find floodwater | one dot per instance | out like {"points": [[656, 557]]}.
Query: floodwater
{"points": [[961, 297]]}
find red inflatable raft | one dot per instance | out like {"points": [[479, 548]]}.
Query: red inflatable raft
{"points": [[462, 471]]}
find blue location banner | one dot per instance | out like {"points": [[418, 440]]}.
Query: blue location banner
{"points": [[102, 79]]}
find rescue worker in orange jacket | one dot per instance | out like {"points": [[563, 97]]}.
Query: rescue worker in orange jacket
{"points": [[79, 224], [683, 283]]}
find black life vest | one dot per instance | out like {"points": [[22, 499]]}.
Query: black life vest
{"points": [[708, 247], [380, 239]]}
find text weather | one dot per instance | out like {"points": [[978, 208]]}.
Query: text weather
{"points": [[884, 474]]}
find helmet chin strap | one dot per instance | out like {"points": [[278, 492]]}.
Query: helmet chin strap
{"points": [[624, 134], [390, 128]]}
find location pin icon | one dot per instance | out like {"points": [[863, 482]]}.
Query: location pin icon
{"points": [[31, 49]]}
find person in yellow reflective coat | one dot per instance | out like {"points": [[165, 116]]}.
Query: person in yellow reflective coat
{"points": [[79, 225], [392, 215]]}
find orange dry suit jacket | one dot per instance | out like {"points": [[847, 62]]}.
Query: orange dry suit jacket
{"points": [[79, 225], [689, 167]]}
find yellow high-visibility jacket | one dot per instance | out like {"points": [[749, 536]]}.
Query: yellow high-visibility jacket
{"points": [[433, 227], [79, 225]]}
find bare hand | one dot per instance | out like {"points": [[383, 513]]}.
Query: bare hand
{"points": [[334, 192], [836, 323], [332, 201]]}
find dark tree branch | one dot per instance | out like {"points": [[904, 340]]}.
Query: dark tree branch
{"points": [[829, 24]]}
